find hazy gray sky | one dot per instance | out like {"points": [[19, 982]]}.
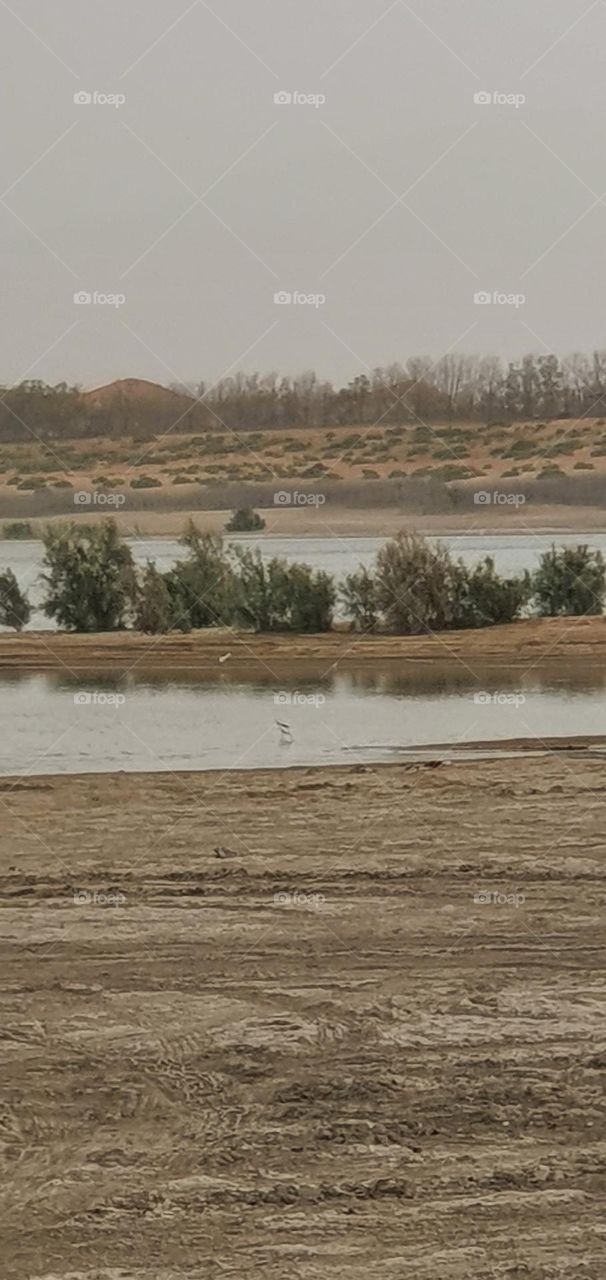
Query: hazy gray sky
{"points": [[397, 198]]}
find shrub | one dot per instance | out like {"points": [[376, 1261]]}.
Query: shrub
{"points": [[160, 608], [276, 596], [560, 447], [311, 598], [520, 449], [570, 581], [90, 577], [17, 529], [583, 466], [245, 520], [415, 585], [15, 610], [452, 471], [483, 599], [145, 482], [359, 597], [313, 472], [261, 591], [202, 587]]}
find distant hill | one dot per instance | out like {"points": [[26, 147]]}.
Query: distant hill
{"points": [[134, 406], [136, 391]]}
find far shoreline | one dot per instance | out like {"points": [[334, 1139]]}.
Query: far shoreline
{"points": [[337, 521]]}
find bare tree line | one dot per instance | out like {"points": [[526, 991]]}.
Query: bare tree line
{"points": [[455, 387]]}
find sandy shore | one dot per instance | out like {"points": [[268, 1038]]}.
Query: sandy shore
{"points": [[517, 646], [335, 520], [319, 1055]]}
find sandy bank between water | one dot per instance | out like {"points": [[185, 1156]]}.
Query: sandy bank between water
{"points": [[516, 646], [340, 521]]}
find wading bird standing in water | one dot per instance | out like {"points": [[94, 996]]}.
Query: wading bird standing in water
{"points": [[285, 734]]}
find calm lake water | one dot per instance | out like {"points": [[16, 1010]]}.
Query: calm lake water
{"points": [[512, 554], [54, 724]]}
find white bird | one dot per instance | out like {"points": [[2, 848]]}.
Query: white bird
{"points": [[285, 731], [224, 657]]}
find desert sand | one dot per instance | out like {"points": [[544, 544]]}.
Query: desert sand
{"points": [[365, 1039]]}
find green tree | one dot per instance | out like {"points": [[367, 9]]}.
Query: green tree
{"points": [[311, 598], [203, 585], [261, 597], [154, 612], [15, 610], [90, 576], [483, 599], [359, 597], [272, 595], [416, 585], [570, 581]]}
